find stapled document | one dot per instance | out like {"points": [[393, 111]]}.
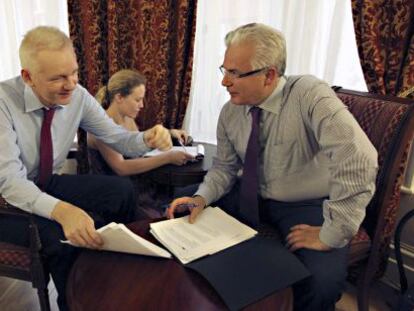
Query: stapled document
{"points": [[214, 230]]}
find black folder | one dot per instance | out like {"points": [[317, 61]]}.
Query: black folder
{"points": [[250, 271]]}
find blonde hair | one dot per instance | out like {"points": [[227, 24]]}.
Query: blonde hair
{"points": [[270, 45], [38, 39], [122, 82]]}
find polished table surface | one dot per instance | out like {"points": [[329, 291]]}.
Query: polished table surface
{"points": [[116, 281], [190, 173]]}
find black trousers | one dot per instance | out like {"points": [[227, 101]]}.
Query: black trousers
{"points": [[105, 198], [324, 288]]}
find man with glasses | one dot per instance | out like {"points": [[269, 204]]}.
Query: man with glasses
{"points": [[315, 168]]}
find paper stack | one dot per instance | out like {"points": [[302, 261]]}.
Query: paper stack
{"points": [[213, 231], [118, 238], [196, 151]]}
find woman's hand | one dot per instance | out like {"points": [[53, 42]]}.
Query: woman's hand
{"points": [[178, 157], [181, 135]]}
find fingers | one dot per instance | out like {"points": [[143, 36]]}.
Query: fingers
{"points": [[180, 157], [194, 213], [194, 204], [189, 157], [181, 135], [177, 205], [299, 227], [85, 236], [184, 137], [94, 239], [305, 236]]}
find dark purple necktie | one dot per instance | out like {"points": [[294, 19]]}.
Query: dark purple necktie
{"points": [[46, 148], [249, 209]]}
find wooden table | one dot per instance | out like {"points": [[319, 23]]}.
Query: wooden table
{"points": [[190, 173], [115, 281]]}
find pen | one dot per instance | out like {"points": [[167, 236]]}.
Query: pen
{"points": [[181, 207], [182, 145], [189, 206]]}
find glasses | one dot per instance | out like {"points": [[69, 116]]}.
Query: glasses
{"points": [[233, 74]]}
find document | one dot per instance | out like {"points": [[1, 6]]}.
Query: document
{"points": [[118, 238], [196, 151], [213, 231]]}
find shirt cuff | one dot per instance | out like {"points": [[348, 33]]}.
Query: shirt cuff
{"points": [[332, 236], [44, 205], [142, 144], [206, 194]]}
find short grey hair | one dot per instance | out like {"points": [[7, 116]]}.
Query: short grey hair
{"points": [[38, 39], [270, 45]]}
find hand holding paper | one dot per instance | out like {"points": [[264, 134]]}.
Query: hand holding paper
{"points": [[195, 151]]}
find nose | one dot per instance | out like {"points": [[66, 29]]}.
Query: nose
{"points": [[226, 81], [71, 82], [141, 104]]}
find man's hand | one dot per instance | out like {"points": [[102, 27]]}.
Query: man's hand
{"points": [[195, 205], [78, 226], [181, 135], [305, 236], [158, 137]]}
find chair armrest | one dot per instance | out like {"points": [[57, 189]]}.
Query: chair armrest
{"points": [[7, 209], [10, 210]]}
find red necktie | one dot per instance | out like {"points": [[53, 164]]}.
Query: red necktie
{"points": [[46, 148], [249, 209]]}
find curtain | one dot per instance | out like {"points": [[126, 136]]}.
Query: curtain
{"points": [[385, 36], [154, 37], [19, 16], [320, 41]]}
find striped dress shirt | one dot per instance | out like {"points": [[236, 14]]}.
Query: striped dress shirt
{"points": [[311, 147]]}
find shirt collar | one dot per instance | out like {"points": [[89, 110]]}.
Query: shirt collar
{"points": [[32, 102], [274, 101]]}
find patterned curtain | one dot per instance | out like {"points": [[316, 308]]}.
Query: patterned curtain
{"points": [[154, 37], [385, 36]]}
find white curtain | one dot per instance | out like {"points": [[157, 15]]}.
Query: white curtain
{"points": [[320, 41], [19, 16]]}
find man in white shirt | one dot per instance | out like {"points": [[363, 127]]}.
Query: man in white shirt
{"points": [[63, 204]]}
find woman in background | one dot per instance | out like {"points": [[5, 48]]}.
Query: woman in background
{"points": [[122, 98]]}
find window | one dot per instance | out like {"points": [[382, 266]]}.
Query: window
{"points": [[320, 41], [19, 16]]}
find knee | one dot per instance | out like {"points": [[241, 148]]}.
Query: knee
{"points": [[328, 286], [320, 291], [122, 186]]}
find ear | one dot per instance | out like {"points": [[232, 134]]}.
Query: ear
{"points": [[27, 78], [271, 76], [118, 98]]}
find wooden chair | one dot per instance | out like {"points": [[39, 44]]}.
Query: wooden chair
{"points": [[389, 124], [24, 263]]}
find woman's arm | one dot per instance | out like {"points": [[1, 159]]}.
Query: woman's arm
{"points": [[124, 167]]}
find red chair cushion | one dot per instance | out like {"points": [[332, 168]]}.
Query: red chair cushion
{"points": [[14, 256], [360, 246]]}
